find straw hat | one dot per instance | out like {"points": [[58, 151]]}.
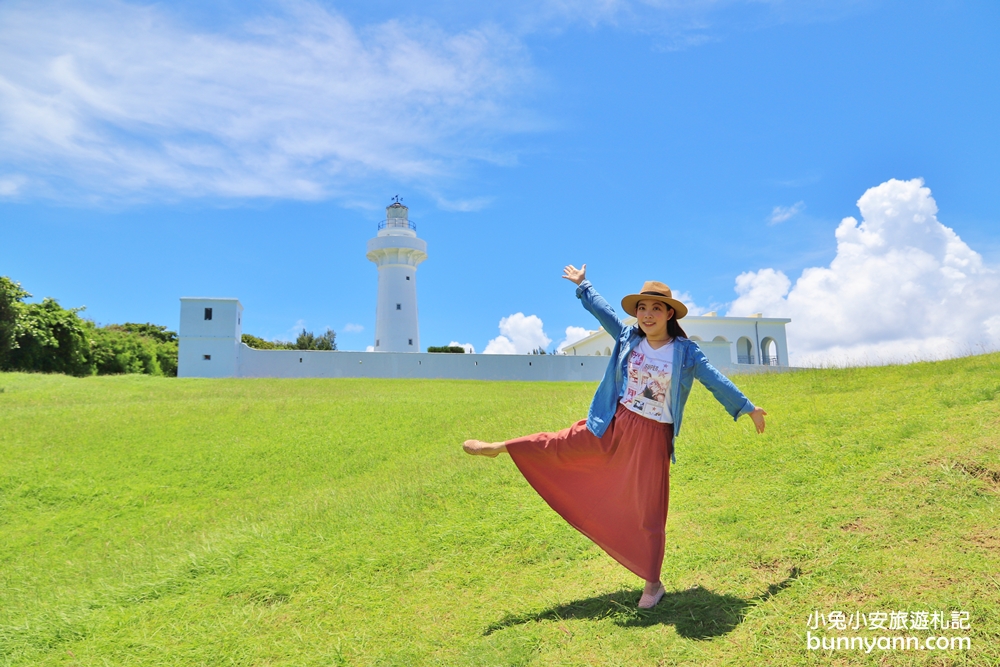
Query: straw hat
{"points": [[657, 291]]}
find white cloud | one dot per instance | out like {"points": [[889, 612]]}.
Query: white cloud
{"points": [[10, 186], [688, 300], [782, 213], [294, 331], [463, 205], [573, 334], [370, 348], [353, 328], [684, 24], [902, 286], [519, 334], [469, 349], [120, 99]]}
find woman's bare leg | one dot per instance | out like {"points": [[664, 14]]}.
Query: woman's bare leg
{"points": [[480, 448]]}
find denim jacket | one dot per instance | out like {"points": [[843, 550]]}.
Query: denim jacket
{"points": [[689, 363]]}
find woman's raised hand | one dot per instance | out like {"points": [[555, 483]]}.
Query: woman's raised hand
{"points": [[574, 274]]}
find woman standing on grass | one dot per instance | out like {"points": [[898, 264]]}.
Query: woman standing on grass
{"points": [[608, 475]]}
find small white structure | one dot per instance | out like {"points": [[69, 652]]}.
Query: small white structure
{"points": [[397, 251], [729, 342], [209, 340]]}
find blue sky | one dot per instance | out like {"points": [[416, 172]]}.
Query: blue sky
{"points": [[153, 151]]}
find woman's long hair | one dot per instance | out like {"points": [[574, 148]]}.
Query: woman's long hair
{"points": [[674, 328]]}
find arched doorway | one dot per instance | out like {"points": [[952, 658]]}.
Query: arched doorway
{"points": [[744, 351], [769, 352]]}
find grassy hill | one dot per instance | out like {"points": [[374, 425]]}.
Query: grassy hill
{"points": [[155, 521]]}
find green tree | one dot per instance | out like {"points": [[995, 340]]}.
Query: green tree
{"points": [[50, 339], [261, 344], [45, 337], [308, 341], [11, 297]]}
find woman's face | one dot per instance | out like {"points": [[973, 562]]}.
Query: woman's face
{"points": [[653, 317]]}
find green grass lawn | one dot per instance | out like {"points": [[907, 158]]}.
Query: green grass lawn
{"points": [[155, 521]]}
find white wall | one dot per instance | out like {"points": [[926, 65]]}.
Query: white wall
{"points": [[312, 363], [219, 339], [209, 348]]}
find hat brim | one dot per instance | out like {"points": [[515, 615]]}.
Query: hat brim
{"points": [[630, 302]]}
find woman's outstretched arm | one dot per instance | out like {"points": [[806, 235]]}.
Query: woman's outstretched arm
{"points": [[592, 301], [731, 398]]}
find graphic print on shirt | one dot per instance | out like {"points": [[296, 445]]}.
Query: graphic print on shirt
{"points": [[647, 387]]}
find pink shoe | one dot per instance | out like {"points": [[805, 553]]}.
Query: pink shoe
{"points": [[648, 601]]}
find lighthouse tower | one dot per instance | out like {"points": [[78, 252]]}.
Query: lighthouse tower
{"points": [[397, 251]]}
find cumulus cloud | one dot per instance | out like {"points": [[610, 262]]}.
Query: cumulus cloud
{"points": [[782, 213], [111, 98], [573, 334], [469, 349], [519, 334], [353, 328], [902, 286]]}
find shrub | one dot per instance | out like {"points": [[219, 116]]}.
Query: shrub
{"points": [[451, 349], [157, 332], [114, 350], [261, 344]]}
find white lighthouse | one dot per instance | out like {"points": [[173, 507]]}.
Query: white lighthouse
{"points": [[397, 251]]}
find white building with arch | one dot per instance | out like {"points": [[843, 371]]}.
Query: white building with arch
{"points": [[737, 343]]}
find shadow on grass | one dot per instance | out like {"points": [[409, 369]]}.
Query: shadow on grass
{"points": [[696, 613]]}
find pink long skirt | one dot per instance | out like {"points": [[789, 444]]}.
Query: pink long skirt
{"points": [[613, 489]]}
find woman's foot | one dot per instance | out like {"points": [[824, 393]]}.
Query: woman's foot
{"points": [[651, 594], [480, 448]]}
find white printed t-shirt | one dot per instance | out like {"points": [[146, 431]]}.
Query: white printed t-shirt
{"points": [[647, 387]]}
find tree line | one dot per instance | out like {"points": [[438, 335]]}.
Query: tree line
{"points": [[306, 340], [44, 337]]}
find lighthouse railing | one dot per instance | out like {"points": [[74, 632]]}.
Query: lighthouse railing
{"points": [[397, 223]]}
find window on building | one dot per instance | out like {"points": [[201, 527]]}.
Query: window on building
{"points": [[207, 357], [411, 341], [407, 277], [300, 360], [208, 313], [376, 342], [399, 306]]}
